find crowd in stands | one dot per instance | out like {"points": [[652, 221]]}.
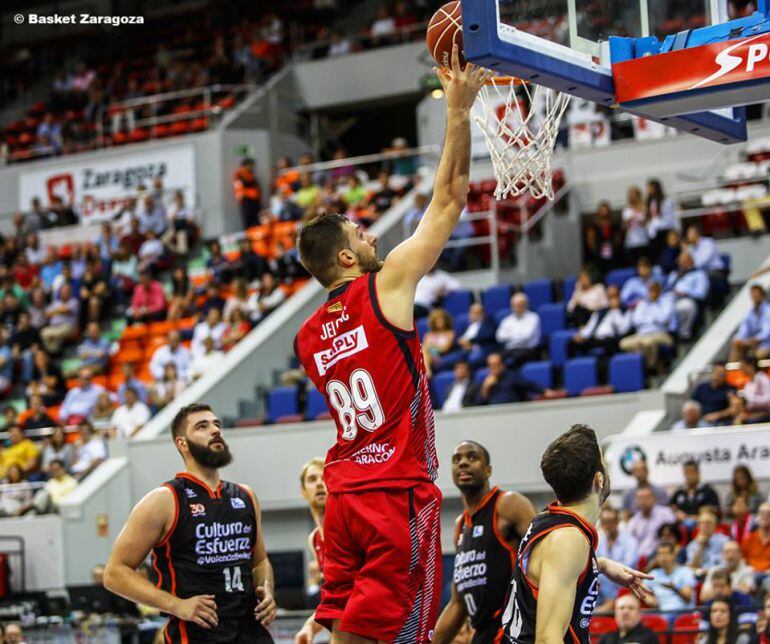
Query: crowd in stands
{"points": [[699, 549]]}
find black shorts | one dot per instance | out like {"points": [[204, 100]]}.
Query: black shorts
{"points": [[228, 631]]}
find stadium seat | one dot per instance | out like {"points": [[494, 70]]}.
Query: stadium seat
{"points": [[540, 372], [557, 346], [569, 287], [619, 276], [461, 323], [499, 315], [599, 390], [282, 401], [602, 624], [496, 298], [686, 628], [579, 374], [316, 404], [627, 372], [480, 375], [458, 302], [538, 292], [248, 422], [654, 622], [440, 385], [289, 418], [552, 318]]}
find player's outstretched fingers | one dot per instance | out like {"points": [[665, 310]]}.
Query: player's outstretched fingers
{"points": [[456, 60]]}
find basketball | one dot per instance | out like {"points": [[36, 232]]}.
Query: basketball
{"points": [[444, 30]]}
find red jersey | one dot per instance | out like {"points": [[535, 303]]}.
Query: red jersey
{"points": [[374, 380], [318, 548]]}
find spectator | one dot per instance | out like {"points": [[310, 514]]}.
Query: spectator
{"points": [[58, 486], [268, 298], [181, 231], [603, 243], [131, 416], [384, 196], [36, 309], [654, 320], [125, 274], [587, 298], [688, 500], [238, 328], [705, 551], [742, 523], [6, 362], [462, 392], [134, 238], [641, 473], [10, 416], [338, 45], [661, 214], [249, 265], [753, 335], [238, 300], [94, 293], [20, 452], [101, 416], [64, 215], [628, 617], [670, 533], [504, 385], [81, 400], [649, 517], [130, 380], [704, 252], [603, 330], [247, 193], [479, 338], [519, 332], [763, 624], [415, 213], [172, 353], [673, 586], [57, 447], [692, 417], [714, 396], [90, 452], [689, 287], [108, 243], [148, 303], [151, 253], [17, 499], [213, 299], [166, 389], [182, 294], [723, 625], [205, 361], [94, 351], [383, 28], [756, 546], [212, 327], [431, 289], [743, 484], [756, 392], [37, 415], [50, 129], [439, 340], [636, 242], [35, 253], [47, 379], [13, 634], [738, 575], [617, 544], [62, 317], [670, 253], [636, 288]]}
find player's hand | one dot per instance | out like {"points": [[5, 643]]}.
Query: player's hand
{"points": [[461, 85], [201, 609], [626, 577], [265, 610], [304, 636]]}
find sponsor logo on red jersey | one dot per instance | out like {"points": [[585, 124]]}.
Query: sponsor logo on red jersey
{"points": [[343, 346]]}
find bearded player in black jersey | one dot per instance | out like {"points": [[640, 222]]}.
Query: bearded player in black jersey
{"points": [[487, 536], [214, 578], [555, 582]]}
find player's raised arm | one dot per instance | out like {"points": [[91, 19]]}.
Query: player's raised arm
{"points": [[414, 257]]}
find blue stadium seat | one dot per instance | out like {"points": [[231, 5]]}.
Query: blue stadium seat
{"points": [[579, 374], [552, 318], [479, 376], [619, 276], [502, 313], [457, 302], [539, 292], [440, 385], [569, 286], [282, 401], [461, 323], [627, 372], [496, 298], [316, 404], [422, 327], [557, 346], [540, 372]]}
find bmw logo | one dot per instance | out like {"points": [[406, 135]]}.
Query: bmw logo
{"points": [[631, 455]]}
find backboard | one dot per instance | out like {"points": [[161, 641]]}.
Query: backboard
{"points": [[564, 45]]}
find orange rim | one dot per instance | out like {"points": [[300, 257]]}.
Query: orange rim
{"points": [[506, 80]]}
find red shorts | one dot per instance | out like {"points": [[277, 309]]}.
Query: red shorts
{"points": [[382, 563]]}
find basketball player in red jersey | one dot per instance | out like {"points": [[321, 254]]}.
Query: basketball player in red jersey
{"points": [[555, 582], [360, 349], [487, 536], [313, 489], [214, 578]]}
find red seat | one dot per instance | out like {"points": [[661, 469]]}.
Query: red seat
{"points": [[602, 624], [686, 629], [599, 390], [248, 422], [657, 623], [289, 418]]}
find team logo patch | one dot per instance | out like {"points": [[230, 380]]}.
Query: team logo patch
{"points": [[197, 509], [237, 503], [343, 346], [190, 493], [334, 308], [478, 531]]}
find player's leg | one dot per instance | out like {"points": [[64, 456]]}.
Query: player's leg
{"points": [[340, 637]]}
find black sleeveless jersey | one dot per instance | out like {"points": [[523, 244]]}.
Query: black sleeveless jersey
{"points": [[483, 567], [209, 551], [521, 610]]}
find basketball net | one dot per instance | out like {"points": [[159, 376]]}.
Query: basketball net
{"points": [[520, 129]]}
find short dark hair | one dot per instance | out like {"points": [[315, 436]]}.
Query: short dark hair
{"points": [[674, 528], [318, 243], [667, 545], [720, 574], [759, 287], [59, 462], [178, 424], [484, 451], [570, 463], [691, 463]]}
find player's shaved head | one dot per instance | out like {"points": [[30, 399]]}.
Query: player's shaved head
{"points": [[479, 447]]}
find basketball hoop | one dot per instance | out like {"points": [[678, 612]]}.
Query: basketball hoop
{"points": [[520, 129]]}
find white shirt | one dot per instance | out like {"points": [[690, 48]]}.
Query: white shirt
{"points": [[340, 48], [614, 324], [203, 363], [472, 331], [454, 400], [636, 235], [203, 331], [88, 453], [757, 392], [434, 286], [163, 355], [151, 249], [519, 332], [383, 27], [126, 420]]}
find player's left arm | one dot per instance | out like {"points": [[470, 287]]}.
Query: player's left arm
{"points": [[514, 512], [625, 576], [262, 570]]}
